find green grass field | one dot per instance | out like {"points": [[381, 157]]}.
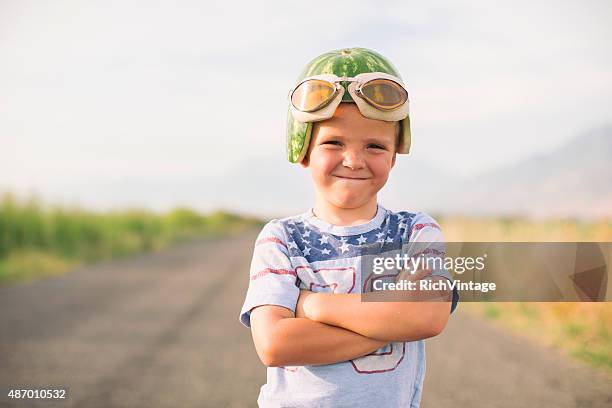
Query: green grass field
{"points": [[582, 330], [38, 240]]}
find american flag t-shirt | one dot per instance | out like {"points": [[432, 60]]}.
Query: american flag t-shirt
{"points": [[306, 252]]}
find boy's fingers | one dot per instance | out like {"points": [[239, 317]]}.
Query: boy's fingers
{"points": [[422, 273]]}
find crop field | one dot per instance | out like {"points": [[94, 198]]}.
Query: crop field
{"points": [[583, 330], [38, 240]]}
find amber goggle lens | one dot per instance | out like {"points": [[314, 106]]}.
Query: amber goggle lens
{"points": [[312, 95], [384, 94]]}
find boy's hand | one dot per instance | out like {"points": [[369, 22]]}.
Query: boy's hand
{"points": [[424, 295], [304, 307], [300, 310]]}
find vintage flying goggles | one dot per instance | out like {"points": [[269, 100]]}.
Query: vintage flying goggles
{"points": [[378, 96]]}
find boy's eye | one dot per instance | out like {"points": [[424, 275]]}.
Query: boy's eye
{"points": [[376, 146], [332, 142]]}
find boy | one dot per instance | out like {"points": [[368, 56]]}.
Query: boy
{"points": [[322, 344]]}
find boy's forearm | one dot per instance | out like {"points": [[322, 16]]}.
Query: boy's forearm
{"points": [[301, 341], [383, 320]]}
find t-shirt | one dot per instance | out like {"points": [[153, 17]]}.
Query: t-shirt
{"points": [[307, 252]]}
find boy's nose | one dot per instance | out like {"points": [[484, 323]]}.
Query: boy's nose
{"points": [[353, 160]]}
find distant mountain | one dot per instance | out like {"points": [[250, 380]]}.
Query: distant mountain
{"points": [[574, 180], [268, 186], [416, 186], [273, 186]]}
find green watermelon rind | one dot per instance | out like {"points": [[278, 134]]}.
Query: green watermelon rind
{"points": [[347, 62]]}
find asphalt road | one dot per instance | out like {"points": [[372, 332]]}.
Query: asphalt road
{"points": [[162, 330]]}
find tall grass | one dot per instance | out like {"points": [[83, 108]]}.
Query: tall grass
{"points": [[519, 229], [39, 240], [582, 330]]}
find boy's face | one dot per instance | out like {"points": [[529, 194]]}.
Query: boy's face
{"points": [[350, 157]]}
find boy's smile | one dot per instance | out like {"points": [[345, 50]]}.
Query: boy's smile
{"points": [[350, 157]]}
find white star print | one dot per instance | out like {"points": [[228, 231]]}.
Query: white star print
{"points": [[290, 230], [361, 239], [323, 239], [306, 234], [344, 247], [325, 251], [389, 239], [291, 245], [306, 251], [380, 235]]}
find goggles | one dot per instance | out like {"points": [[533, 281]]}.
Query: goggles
{"points": [[378, 96]]}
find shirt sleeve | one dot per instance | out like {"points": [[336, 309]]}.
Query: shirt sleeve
{"points": [[426, 239], [272, 279]]}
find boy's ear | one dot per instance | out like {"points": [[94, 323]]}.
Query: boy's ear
{"points": [[393, 159], [304, 162]]}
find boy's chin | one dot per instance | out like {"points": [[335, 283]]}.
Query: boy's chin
{"points": [[350, 203]]}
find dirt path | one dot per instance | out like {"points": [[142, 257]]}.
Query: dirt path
{"points": [[162, 330]]}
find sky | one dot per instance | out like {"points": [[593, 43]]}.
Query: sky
{"points": [[99, 95]]}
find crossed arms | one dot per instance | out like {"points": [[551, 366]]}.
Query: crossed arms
{"points": [[330, 328]]}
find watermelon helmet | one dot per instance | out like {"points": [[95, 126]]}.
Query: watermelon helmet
{"points": [[344, 63]]}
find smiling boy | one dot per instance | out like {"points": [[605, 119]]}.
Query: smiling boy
{"points": [[323, 345]]}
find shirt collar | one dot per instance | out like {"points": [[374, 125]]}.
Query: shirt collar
{"points": [[325, 226]]}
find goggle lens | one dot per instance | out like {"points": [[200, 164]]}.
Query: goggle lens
{"points": [[384, 94], [312, 95]]}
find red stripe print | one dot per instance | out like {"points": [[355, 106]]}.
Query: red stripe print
{"points": [[270, 239], [428, 224], [274, 271]]}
